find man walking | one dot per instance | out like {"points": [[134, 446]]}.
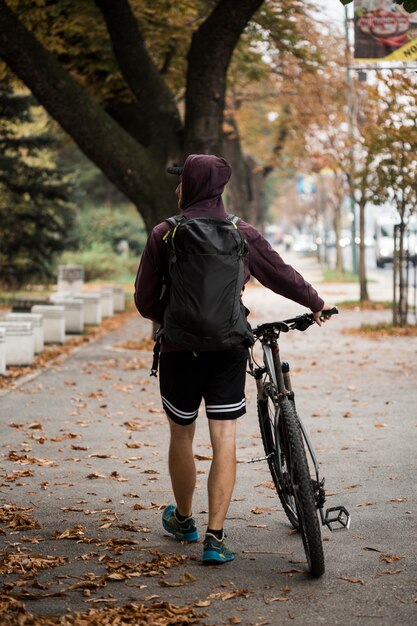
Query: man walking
{"points": [[214, 373]]}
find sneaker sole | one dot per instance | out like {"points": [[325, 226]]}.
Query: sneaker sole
{"points": [[213, 558]]}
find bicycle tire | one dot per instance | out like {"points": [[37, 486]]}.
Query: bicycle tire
{"points": [[268, 410], [302, 487]]}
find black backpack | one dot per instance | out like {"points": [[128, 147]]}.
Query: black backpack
{"points": [[205, 281]]}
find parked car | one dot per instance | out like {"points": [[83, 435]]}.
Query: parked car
{"points": [[304, 244]]}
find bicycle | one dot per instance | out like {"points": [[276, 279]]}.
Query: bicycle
{"points": [[283, 437]]}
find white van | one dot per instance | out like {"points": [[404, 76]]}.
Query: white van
{"points": [[384, 240]]}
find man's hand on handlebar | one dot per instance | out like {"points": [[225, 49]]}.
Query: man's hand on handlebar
{"points": [[320, 317]]}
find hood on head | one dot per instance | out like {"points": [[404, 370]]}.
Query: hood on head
{"points": [[204, 177]]}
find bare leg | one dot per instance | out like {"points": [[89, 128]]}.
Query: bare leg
{"points": [[182, 466], [222, 475]]}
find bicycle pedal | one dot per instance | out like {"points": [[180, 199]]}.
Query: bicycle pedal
{"points": [[337, 518]]}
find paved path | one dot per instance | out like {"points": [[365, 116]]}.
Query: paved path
{"points": [[84, 446]]}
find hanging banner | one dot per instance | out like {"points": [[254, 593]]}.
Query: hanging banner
{"points": [[384, 31]]}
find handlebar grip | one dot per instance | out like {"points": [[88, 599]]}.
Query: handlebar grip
{"points": [[330, 312]]}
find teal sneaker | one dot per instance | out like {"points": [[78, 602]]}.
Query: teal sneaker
{"points": [[183, 531], [216, 551]]}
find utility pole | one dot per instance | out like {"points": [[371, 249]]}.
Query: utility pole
{"points": [[349, 99]]}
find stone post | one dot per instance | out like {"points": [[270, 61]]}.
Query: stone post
{"points": [[20, 344], [37, 324], [53, 322], [70, 278]]}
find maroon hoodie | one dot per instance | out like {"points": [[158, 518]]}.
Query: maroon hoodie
{"points": [[203, 180]]}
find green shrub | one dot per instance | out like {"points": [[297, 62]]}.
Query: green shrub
{"points": [[110, 226], [101, 262]]}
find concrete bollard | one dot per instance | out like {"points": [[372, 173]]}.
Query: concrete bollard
{"points": [[92, 306], [53, 322], [37, 323], [106, 297], [118, 299], [74, 313], [19, 343], [70, 278], [2, 351]]}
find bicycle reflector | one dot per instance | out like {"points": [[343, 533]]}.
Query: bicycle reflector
{"points": [[337, 518]]}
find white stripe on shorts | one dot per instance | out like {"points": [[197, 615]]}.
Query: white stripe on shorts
{"points": [[182, 414], [225, 408]]}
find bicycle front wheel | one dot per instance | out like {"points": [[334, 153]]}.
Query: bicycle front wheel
{"points": [[300, 485]]}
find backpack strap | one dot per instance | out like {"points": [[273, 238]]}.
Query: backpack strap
{"points": [[234, 219], [173, 221]]}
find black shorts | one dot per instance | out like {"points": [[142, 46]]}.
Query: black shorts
{"points": [[218, 377]]}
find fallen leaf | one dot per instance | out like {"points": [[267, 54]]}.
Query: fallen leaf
{"points": [[371, 549], [390, 558], [185, 578], [202, 457], [76, 532], [228, 595], [349, 579], [202, 603], [258, 510]]}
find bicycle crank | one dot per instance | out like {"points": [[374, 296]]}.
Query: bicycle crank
{"points": [[258, 459]]}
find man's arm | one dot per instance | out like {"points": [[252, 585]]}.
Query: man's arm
{"points": [[267, 266], [149, 279]]}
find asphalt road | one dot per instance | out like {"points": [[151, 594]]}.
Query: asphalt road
{"points": [[84, 447]]}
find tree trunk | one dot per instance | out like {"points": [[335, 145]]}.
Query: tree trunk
{"points": [[403, 286], [133, 153], [238, 188], [337, 231], [362, 254]]}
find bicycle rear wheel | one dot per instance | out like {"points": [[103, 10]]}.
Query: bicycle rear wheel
{"points": [[301, 486], [268, 411]]}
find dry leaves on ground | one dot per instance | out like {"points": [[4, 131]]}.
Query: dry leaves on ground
{"points": [[228, 595], [144, 343], [155, 614], [24, 459], [157, 566], [17, 518], [26, 564]]}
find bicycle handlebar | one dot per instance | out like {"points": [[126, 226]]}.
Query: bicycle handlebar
{"points": [[300, 322]]}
